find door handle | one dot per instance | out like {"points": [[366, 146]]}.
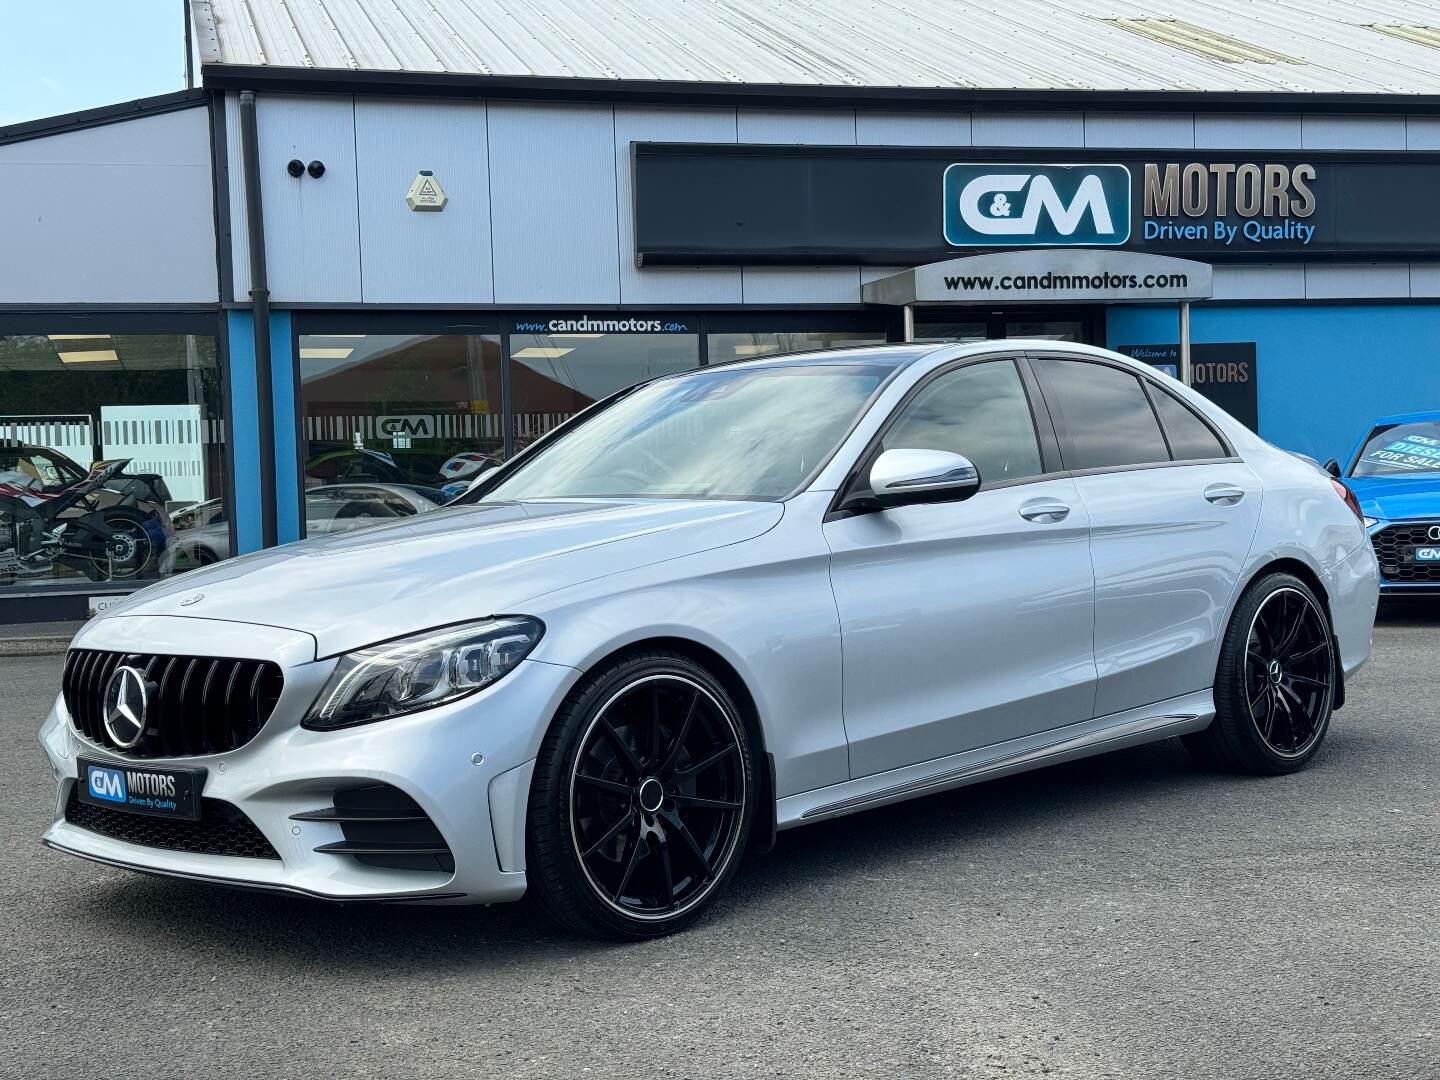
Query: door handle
{"points": [[1224, 494], [1044, 511]]}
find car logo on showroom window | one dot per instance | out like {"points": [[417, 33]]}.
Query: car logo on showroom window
{"points": [[126, 699]]}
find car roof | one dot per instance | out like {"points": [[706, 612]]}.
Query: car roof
{"points": [[1407, 418]]}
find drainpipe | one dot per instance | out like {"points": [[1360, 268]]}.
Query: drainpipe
{"points": [[260, 311]]}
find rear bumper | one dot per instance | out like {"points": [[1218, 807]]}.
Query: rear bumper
{"points": [[479, 809], [1353, 587]]}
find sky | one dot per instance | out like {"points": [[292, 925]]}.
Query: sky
{"points": [[59, 56]]}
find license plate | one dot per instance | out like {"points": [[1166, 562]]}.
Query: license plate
{"points": [[138, 789], [1430, 553]]}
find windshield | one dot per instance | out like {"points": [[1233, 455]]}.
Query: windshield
{"points": [[751, 432], [1396, 449]]}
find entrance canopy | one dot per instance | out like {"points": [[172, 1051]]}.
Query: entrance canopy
{"points": [[1064, 275]]}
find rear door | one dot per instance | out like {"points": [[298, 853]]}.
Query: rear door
{"points": [[967, 623], [1172, 515]]}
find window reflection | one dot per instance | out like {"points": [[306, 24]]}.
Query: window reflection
{"points": [[726, 347], [555, 375], [419, 412], [107, 443]]}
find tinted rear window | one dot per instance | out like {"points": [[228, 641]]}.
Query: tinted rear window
{"points": [[1190, 437], [1106, 417]]}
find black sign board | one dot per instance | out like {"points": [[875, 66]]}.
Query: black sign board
{"points": [[735, 203], [1223, 371]]}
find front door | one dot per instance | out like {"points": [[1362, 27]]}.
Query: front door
{"points": [[966, 624], [1172, 514]]}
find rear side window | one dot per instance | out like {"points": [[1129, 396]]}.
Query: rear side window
{"points": [[1190, 437], [1106, 419]]}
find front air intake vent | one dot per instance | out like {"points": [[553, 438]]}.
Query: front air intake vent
{"points": [[222, 829], [384, 827], [195, 704]]}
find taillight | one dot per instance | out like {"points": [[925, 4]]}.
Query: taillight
{"points": [[1349, 496]]}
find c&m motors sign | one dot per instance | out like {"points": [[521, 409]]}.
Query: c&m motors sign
{"points": [[731, 203], [1018, 205]]}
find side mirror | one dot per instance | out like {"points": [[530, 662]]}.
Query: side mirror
{"points": [[1333, 468], [902, 477]]}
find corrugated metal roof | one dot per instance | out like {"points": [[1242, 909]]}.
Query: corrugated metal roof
{"points": [[1318, 46]]}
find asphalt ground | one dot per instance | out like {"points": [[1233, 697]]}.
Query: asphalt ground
{"points": [[1128, 916]]}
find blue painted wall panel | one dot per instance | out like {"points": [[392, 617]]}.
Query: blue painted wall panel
{"points": [[287, 472], [1324, 370], [245, 436]]}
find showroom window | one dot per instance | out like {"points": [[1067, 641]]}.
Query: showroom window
{"points": [[724, 347], [392, 419], [560, 366], [112, 457]]}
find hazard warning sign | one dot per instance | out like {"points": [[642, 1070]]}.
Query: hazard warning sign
{"points": [[426, 193]]}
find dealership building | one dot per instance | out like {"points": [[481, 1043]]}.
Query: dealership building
{"points": [[386, 241]]}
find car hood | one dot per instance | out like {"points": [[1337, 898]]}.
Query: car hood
{"points": [[356, 588], [1397, 498]]}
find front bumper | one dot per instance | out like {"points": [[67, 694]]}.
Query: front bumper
{"points": [[1397, 577], [479, 809]]}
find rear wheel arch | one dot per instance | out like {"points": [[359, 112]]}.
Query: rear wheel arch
{"points": [[1307, 574]]}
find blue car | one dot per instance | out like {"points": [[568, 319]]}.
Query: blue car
{"points": [[1395, 473]]}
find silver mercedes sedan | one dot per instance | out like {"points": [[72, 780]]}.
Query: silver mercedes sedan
{"points": [[712, 607]]}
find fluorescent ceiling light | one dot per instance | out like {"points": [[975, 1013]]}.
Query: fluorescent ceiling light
{"points": [[325, 354], [90, 356], [754, 350], [536, 352], [78, 337]]}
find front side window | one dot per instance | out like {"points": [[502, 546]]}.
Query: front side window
{"points": [[980, 411], [1106, 418], [110, 444], [743, 432], [1397, 449]]}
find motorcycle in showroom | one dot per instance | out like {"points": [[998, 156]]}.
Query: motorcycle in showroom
{"points": [[39, 530]]}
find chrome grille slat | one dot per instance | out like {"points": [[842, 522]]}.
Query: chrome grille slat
{"points": [[199, 704]]}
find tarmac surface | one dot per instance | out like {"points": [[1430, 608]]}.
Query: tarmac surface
{"points": [[1128, 916]]}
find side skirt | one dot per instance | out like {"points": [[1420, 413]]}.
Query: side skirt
{"points": [[1161, 720]]}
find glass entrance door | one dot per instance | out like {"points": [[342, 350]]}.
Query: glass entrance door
{"points": [[1085, 325]]}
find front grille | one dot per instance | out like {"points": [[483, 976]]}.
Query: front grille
{"points": [[221, 830], [197, 704], [1390, 544], [384, 827]]}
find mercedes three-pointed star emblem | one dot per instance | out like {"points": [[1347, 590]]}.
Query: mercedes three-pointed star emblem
{"points": [[126, 699]]}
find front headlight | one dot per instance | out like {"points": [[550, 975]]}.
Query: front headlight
{"points": [[1370, 522], [420, 671]]}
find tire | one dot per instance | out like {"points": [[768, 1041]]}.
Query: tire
{"points": [[644, 782], [1274, 684]]}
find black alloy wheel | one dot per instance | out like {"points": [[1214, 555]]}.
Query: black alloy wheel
{"points": [[1275, 683], [1289, 671], [641, 800]]}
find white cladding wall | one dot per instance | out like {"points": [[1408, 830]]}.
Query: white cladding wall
{"points": [[540, 197], [121, 214]]}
